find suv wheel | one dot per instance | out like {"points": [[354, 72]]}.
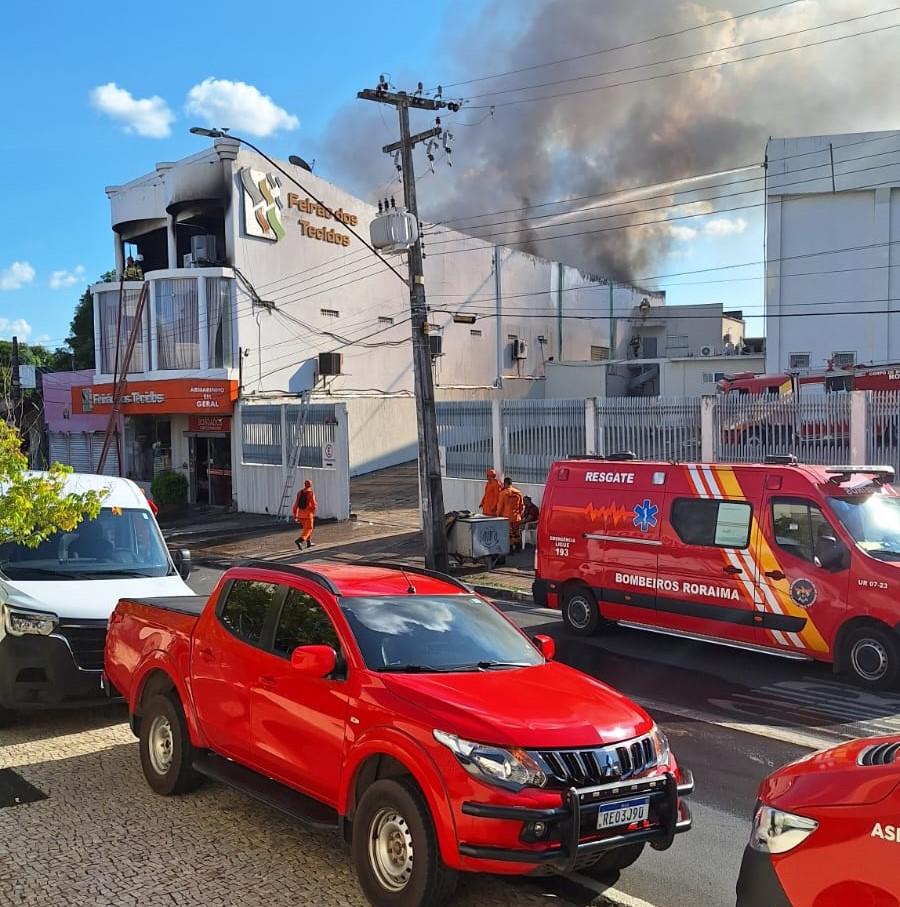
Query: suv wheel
{"points": [[579, 611], [395, 848], [872, 655], [167, 753]]}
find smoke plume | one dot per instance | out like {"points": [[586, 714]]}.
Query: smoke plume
{"points": [[655, 130]]}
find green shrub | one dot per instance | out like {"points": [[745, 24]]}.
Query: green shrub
{"points": [[169, 489]]}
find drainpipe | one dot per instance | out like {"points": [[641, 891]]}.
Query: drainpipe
{"points": [[559, 310], [611, 320], [498, 294]]}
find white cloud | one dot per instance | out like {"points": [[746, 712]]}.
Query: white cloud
{"points": [[239, 106], [16, 275], [149, 117], [14, 327], [61, 279], [725, 226], [682, 233]]}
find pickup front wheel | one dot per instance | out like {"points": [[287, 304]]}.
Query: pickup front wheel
{"points": [[167, 753], [395, 848]]}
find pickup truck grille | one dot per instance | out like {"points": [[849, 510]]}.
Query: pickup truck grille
{"points": [[880, 754], [86, 639], [585, 767]]}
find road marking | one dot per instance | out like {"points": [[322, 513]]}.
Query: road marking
{"points": [[613, 895], [784, 735]]}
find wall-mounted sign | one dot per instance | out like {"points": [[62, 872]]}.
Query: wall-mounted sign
{"points": [[214, 424], [323, 234], [177, 395], [262, 204], [328, 457]]}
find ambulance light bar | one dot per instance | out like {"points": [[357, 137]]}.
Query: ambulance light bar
{"points": [[781, 460], [881, 475]]}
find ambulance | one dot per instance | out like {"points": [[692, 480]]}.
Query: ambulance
{"points": [[796, 560]]}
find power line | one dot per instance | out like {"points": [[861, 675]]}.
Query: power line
{"points": [[668, 75], [630, 44]]}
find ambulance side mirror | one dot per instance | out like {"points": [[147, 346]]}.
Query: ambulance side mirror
{"points": [[830, 553]]}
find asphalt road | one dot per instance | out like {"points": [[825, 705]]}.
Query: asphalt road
{"points": [[731, 716]]}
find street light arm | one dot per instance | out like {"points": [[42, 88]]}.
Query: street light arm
{"points": [[218, 133]]}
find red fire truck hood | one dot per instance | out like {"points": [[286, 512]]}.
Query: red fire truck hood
{"points": [[550, 705], [833, 777]]}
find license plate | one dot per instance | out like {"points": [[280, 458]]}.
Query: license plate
{"points": [[623, 812]]}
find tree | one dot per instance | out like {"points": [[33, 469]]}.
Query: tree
{"points": [[33, 506]]}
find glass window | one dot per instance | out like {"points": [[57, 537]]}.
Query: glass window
{"points": [[218, 317], [303, 622], [713, 524], [118, 543], [873, 520], [798, 360], [245, 609], [436, 633], [112, 351], [177, 323], [844, 359], [797, 526]]}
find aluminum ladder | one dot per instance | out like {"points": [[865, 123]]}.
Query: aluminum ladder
{"points": [[287, 493]]}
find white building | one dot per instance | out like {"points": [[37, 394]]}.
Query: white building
{"points": [[833, 251], [257, 293]]}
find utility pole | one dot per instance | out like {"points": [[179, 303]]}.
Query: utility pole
{"points": [[436, 556], [16, 385]]}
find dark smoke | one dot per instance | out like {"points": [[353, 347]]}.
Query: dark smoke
{"points": [[650, 132]]}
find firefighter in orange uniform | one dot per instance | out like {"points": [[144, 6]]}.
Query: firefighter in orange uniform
{"points": [[512, 506], [492, 490], [304, 514]]}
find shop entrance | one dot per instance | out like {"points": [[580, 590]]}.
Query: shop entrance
{"points": [[210, 457]]}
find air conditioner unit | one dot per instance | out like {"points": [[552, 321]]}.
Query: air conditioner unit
{"points": [[519, 349], [203, 249], [436, 345], [329, 364], [706, 351], [187, 261]]}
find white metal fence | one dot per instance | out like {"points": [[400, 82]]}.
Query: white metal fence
{"points": [[465, 437], [815, 429], [529, 435], [537, 432], [267, 430], [653, 428]]}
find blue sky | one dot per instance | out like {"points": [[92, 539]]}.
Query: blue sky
{"points": [[97, 94]]}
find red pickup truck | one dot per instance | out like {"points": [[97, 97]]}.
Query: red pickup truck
{"points": [[400, 708]]}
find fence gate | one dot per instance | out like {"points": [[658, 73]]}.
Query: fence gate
{"points": [[654, 428], [883, 428]]}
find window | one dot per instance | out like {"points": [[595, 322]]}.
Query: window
{"points": [[303, 622], [218, 317], [713, 524], [177, 323], [474, 332], [599, 353], [329, 313], [713, 377], [798, 360], [677, 344], [798, 525], [843, 359], [245, 609], [385, 320]]}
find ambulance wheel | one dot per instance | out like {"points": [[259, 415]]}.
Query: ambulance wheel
{"points": [[872, 656], [580, 612]]}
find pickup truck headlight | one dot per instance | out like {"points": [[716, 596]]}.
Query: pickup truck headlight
{"points": [[512, 769], [775, 831], [660, 746], [17, 622]]}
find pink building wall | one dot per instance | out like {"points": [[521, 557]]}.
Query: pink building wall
{"points": [[58, 402]]}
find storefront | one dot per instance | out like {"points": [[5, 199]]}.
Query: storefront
{"points": [[180, 423]]}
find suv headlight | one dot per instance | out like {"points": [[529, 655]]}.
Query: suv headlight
{"points": [[512, 769], [775, 831], [17, 622], [660, 745]]}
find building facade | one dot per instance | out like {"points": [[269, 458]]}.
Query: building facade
{"points": [[833, 251], [254, 293]]}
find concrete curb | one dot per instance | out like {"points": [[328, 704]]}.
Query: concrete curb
{"points": [[499, 592]]}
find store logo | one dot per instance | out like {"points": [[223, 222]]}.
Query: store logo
{"points": [[262, 204], [803, 592]]}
